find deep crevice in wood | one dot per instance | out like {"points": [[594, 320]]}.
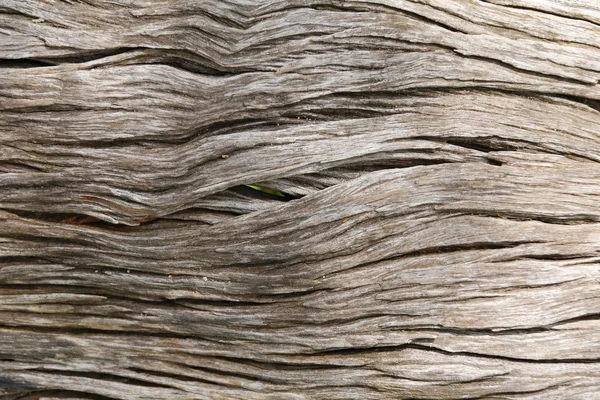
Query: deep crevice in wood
{"points": [[103, 376], [543, 11], [57, 394], [511, 359]]}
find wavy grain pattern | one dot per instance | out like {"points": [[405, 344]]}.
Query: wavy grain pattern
{"points": [[306, 199]]}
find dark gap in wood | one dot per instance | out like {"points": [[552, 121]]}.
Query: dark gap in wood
{"points": [[571, 219], [475, 297], [170, 220], [223, 21], [58, 394], [259, 293], [258, 296], [20, 166], [99, 376], [87, 56], [9, 384], [332, 114], [170, 304], [22, 259], [422, 340], [341, 321], [287, 366], [190, 66], [217, 128], [428, 92], [483, 144], [418, 17], [77, 331], [586, 317], [436, 250], [182, 59], [511, 67], [51, 330], [505, 358], [488, 144], [211, 209], [474, 332], [346, 7], [23, 63], [4, 9], [211, 129], [517, 394], [494, 162], [353, 351], [368, 99], [594, 104], [61, 218], [99, 269], [69, 242], [591, 262], [553, 257], [54, 108], [183, 378], [228, 374], [32, 18], [79, 58], [193, 303], [97, 289], [385, 94], [371, 165], [269, 44], [462, 247], [261, 195], [556, 14]]}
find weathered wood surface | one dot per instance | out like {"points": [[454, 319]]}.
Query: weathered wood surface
{"points": [[440, 233]]}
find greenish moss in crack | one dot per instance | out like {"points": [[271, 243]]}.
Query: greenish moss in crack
{"points": [[266, 190]]}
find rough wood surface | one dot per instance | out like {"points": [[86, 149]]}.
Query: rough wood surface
{"points": [[438, 236]]}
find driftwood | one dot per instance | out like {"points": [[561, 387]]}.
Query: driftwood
{"points": [[423, 220]]}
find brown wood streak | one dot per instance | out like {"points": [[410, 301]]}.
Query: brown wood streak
{"points": [[439, 234]]}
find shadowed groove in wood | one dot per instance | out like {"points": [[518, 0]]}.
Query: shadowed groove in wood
{"points": [[437, 234]]}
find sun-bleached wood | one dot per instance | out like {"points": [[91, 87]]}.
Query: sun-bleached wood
{"points": [[434, 231]]}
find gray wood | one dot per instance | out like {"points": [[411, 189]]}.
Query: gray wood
{"points": [[438, 232]]}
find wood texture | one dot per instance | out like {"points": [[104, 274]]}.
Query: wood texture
{"points": [[436, 234]]}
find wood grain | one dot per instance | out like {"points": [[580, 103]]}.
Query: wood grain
{"points": [[436, 234]]}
